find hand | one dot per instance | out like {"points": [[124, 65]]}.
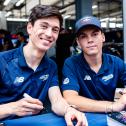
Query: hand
{"points": [[120, 104], [25, 106], [72, 114]]}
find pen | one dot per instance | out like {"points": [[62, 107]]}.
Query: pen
{"points": [[28, 96]]}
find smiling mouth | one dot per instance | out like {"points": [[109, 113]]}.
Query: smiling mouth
{"points": [[46, 40]]}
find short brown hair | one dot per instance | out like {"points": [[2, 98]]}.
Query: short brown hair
{"points": [[42, 11]]}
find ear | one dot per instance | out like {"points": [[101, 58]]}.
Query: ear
{"points": [[78, 43], [103, 37], [29, 28]]}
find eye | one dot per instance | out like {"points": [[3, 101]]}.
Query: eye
{"points": [[56, 30], [43, 26], [82, 36], [95, 34]]}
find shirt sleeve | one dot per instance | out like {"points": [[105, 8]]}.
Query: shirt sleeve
{"points": [[70, 81], [122, 75], [54, 78]]}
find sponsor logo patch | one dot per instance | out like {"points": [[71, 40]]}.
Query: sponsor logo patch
{"points": [[108, 77], [44, 77], [66, 81]]}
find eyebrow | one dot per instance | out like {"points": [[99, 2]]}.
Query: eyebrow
{"points": [[46, 23]]}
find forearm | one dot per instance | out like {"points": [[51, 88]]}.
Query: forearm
{"points": [[58, 103], [89, 105], [5, 111], [60, 107]]}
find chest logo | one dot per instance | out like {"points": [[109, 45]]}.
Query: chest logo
{"points": [[87, 77], [44, 77], [19, 80], [66, 81], [108, 77]]}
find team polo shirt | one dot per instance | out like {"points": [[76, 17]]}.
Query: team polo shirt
{"points": [[78, 76], [16, 78]]}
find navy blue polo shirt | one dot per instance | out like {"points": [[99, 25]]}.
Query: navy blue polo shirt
{"points": [[78, 76], [16, 78]]}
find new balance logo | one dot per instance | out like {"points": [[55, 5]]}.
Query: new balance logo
{"points": [[87, 77], [19, 80]]}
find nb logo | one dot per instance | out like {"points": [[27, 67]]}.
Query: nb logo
{"points": [[87, 77], [19, 80]]}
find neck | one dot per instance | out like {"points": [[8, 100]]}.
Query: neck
{"points": [[94, 61], [32, 56]]}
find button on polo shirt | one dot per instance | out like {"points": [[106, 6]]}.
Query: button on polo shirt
{"points": [[78, 76], [16, 77]]}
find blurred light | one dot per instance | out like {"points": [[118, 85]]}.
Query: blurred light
{"points": [[17, 19], [94, 6], [70, 28], [8, 13], [104, 19], [119, 25], [66, 16], [112, 25], [112, 19], [19, 2], [108, 19], [6, 2], [103, 24]]}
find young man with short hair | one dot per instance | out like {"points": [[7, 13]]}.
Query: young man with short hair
{"points": [[90, 78], [28, 70]]}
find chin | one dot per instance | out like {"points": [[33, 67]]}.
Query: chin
{"points": [[43, 49], [92, 53]]}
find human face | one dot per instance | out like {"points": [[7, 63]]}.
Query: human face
{"points": [[91, 41], [44, 33]]}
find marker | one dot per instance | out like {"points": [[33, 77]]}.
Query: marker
{"points": [[26, 95]]}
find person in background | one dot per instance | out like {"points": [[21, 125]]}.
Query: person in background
{"points": [[27, 70], [5, 40], [7, 43], [90, 78], [2, 35], [21, 39]]}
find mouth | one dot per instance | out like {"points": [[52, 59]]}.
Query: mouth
{"points": [[93, 46], [46, 40]]}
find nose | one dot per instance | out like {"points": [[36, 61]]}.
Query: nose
{"points": [[48, 32], [90, 40]]}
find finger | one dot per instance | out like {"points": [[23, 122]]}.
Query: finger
{"points": [[27, 111], [32, 106], [33, 100], [85, 120], [81, 120], [68, 120]]}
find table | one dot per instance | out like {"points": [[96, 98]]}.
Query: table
{"points": [[51, 119]]}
